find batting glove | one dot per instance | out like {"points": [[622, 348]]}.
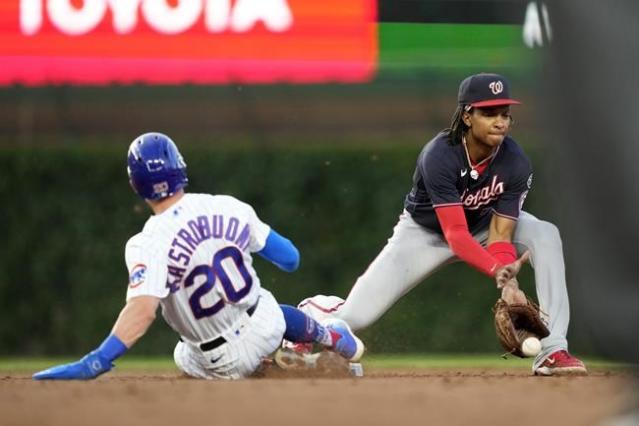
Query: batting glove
{"points": [[89, 367]]}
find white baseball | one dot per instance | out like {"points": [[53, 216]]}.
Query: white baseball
{"points": [[531, 346]]}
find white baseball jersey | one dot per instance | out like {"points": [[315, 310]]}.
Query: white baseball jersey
{"points": [[196, 257]]}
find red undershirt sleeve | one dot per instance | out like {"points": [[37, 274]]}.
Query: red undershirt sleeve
{"points": [[461, 242], [503, 251]]}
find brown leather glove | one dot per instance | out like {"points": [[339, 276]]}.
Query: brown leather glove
{"points": [[515, 323]]}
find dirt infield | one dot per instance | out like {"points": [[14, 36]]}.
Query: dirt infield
{"points": [[382, 397]]}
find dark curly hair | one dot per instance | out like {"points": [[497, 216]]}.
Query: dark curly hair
{"points": [[457, 126]]}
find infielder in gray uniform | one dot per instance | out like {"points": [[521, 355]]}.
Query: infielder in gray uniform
{"points": [[469, 185]]}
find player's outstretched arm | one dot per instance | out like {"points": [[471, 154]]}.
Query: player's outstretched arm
{"points": [[281, 252], [505, 274], [500, 245], [136, 317], [462, 243]]}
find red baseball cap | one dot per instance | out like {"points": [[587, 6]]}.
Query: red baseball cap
{"points": [[485, 90]]}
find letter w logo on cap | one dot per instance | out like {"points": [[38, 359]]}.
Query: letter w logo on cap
{"points": [[496, 87]]}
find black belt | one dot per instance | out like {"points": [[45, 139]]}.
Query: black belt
{"points": [[219, 341]]}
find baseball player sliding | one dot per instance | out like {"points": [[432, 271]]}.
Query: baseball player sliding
{"points": [[193, 257], [469, 186]]}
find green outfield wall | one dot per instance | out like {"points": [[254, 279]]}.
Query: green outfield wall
{"points": [[326, 165], [412, 94], [68, 212]]}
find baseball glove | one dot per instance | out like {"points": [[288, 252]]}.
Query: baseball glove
{"points": [[515, 323]]}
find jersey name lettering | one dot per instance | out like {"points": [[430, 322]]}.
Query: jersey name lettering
{"points": [[198, 230], [482, 196]]}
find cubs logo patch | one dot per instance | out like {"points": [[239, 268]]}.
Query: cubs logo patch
{"points": [[137, 276]]}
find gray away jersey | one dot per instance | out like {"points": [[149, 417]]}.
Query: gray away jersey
{"points": [[442, 177], [196, 257]]}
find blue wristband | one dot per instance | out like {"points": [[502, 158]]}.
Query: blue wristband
{"points": [[112, 348]]}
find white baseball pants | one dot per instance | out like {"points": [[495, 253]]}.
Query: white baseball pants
{"points": [[255, 338]]}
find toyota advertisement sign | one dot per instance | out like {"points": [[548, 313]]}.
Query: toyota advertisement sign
{"points": [[97, 42]]}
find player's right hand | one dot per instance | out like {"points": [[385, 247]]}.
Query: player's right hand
{"points": [[510, 271], [89, 367]]}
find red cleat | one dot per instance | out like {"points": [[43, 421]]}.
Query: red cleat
{"points": [[561, 363]]}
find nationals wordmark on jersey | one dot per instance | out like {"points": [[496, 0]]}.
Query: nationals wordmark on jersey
{"points": [[476, 199]]}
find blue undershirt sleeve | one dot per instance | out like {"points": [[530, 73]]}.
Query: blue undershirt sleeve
{"points": [[281, 252]]}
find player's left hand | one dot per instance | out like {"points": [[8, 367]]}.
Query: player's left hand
{"points": [[89, 367], [511, 293]]}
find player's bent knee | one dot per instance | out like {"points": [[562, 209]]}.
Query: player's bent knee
{"points": [[548, 234], [539, 234]]}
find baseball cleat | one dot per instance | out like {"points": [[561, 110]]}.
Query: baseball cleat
{"points": [[289, 359], [561, 363], [345, 342], [302, 348]]}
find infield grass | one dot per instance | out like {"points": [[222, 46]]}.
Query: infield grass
{"points": [[394, 361]]}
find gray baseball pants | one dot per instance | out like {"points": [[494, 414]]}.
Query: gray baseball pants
{"points": [[413, 253]]}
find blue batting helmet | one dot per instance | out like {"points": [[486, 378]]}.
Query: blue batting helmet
{"points": [[155, 166]]}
